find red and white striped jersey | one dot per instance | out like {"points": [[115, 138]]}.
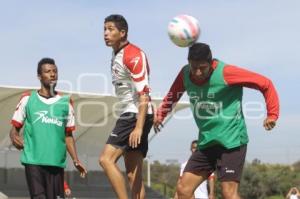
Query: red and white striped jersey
{"points": [[130, 77]]}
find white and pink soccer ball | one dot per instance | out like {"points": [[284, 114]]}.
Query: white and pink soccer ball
{"points": [[184, 30]]}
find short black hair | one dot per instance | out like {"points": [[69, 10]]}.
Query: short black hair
{"points": [[119, 21], [43, 61], [200, 52], [194, 142]]}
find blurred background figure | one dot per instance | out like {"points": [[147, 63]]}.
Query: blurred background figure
{"points": [[293, 193], [206, 190], [67, 189]]}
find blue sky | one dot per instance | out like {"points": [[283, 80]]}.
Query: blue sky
{"points": [[260, 35]]}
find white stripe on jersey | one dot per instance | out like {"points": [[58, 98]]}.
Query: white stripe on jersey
{"points": [[144, 68], [129, 71]]}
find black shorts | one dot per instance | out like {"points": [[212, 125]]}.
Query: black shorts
{"points": [[45, 182], [119, 136], [227, 162]]}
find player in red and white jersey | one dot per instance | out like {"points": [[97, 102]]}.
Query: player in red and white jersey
{"points": [[130, 76]]}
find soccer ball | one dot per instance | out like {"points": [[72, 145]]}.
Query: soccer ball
{"points": [[183, 30]]}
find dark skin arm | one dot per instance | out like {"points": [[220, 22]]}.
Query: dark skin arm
{"points": [[15, 138], [70, 143]]}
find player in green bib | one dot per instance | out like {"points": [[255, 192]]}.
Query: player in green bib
{"points": [[215, 90], [48, 124]]}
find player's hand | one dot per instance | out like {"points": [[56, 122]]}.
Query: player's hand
{"points": [[79, 166], [157, 125], [17, 141], [269, 124], [135, 137], [211, 196]]}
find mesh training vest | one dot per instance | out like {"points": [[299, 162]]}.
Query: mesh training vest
{"points": [[44, 132], [217, 110]]}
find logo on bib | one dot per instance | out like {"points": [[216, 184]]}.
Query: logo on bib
{"points": [[42, 116]]}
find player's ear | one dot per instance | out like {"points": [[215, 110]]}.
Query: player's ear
{"points": [[123, 33], [39, 77]]}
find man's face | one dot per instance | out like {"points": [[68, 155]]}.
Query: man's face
{"points": [[112, 35], [194, 147], [48, 76], [200, 70]]}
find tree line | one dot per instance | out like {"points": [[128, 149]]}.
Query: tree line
{"points": [[259, 180]]}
